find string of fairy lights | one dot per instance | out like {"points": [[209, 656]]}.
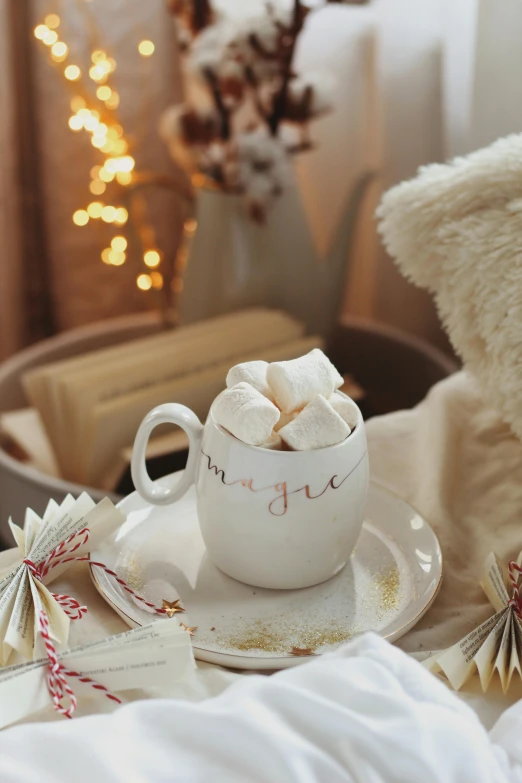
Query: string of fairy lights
{"points": [[93, 111]]}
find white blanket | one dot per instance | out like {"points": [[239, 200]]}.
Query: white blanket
{"points": [[369, 713]]}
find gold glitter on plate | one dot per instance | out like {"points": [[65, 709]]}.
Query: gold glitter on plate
{"points": [[132, 573], [388, 585], [266, 636]]}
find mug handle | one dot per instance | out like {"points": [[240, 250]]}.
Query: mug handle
{"points": [[169, 413]]}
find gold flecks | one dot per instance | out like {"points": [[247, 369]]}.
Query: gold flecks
{"points": [[299, 651], [267, 637], [388, 585], [189, 629], [132, 573], [172, 607]]}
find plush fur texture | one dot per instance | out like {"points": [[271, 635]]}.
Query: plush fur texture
{"points": [[456, 230]]}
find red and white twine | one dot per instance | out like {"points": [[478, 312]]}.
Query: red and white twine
{"points": [[57, 676], [515, 571], [61, 554]]}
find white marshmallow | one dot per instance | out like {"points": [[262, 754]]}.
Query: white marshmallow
{"points": [[253, 373], [296, 382], [275, 442], [346, 408], [317, 426], [246, 413], [284, 419]]}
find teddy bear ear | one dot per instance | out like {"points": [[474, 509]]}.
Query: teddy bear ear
{"points": [[456, 230]]}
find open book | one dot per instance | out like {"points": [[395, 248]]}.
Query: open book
{"points": [[91, 405]]}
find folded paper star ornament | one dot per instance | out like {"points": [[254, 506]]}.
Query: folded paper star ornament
{"points": [[496, 644], [47, 546]]}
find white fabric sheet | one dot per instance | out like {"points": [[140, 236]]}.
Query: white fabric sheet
{"points": [[368, 713]]}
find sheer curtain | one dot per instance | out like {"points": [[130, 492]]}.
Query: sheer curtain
{"points": [[11, 272]]}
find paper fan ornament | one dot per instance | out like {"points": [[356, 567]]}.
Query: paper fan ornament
{"points": [[47, 547], [496, 645]]}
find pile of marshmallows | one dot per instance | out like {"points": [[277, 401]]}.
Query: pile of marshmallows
{"points": [[286, 405]]}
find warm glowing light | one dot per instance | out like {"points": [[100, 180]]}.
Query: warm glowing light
{"points": [[75, 123], [146, 48], [90, 123], [125, 163], [40, 31], [120, 147], [50, 37], [59, 50], [95, 209], [97, 73], [124, 177], [84, 114], [119, 244], [97, 188], [117, 257], [72, 72], [106, 175], [190, 226], [77, 103], [152, 258], [112, 63], [103, 92], [157, 280], [198, 180], [81, 217], [116, 131], [114, 101], [121, 216], [52, 21], [98, 141], [144, 282], [108, 146], [95, 172], [105, 255], [98, 55], [108, 214]]}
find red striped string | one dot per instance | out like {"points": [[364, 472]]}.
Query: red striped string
{"points": [[514, 571], [57, 685], [60, 555]]}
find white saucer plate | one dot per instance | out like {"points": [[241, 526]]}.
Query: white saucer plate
{"points": [[391, 580]]}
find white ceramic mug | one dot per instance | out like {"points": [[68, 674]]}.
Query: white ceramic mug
{"points": [[279, 519]]}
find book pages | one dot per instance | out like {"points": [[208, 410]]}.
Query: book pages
{"points": [[146, 657], [114, 422], [44, 553], [82, 391], [66, 392], [494, 646]]}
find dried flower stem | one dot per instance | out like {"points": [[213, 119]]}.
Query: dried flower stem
{"points": [[202, 14], [282, 97], [222, 110]]}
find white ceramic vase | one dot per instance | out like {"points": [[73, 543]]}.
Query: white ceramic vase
{"points": [[235, 263]]}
